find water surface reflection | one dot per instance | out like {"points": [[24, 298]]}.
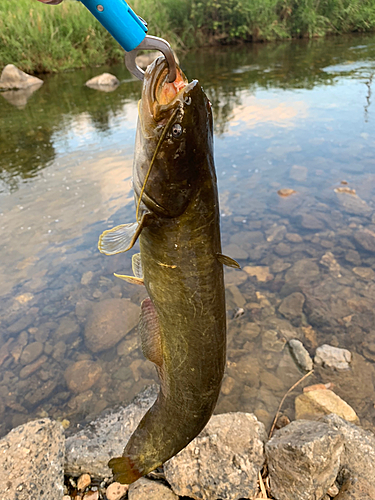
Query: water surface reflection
{"points": [[293, 115]]}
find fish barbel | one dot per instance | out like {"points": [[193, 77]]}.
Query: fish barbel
{"points": [[183, 322]]}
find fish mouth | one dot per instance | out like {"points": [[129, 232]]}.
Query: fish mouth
{"points": [[162, 96]]}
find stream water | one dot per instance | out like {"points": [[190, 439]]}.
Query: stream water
{"points": [[295, 115]]}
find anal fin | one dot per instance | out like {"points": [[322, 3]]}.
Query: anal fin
{"points": [[149, 330]]}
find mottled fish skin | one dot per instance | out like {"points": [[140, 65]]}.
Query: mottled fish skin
{"points": [[183, 326]]}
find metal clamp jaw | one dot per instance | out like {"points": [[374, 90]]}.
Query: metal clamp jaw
{"points": [[129, 31]]}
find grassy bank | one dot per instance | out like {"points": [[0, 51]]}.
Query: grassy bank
{"points": [[40, 38]]}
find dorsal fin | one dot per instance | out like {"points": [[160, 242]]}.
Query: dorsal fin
{"points": [[227, 261], [137, 265], [121, 238]]}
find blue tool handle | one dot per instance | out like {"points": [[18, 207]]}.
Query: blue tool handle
{"points": [[120, 20]]}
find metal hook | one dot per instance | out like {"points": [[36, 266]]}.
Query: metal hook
{"points": [[151, 43]]}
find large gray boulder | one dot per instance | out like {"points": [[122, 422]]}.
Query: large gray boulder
{"points": [[91, 448], [358, 456], [222, 462], [32, 461], [13, 78], [303, 460]]}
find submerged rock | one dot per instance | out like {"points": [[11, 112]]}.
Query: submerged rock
{"points": [[292, 307], [366, 239], [314, 404], [31, 461], [301, 355], [13, 78], [222, 462], [333, 357], [82, 375], [108, 323], [303, 460]]}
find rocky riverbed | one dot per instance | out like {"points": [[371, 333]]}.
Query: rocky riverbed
{"points": [[321, 458]]}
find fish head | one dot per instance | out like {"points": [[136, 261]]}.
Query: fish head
{"points": [[174, 141]]}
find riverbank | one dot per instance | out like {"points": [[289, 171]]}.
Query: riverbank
{"points": [[38, 38]]}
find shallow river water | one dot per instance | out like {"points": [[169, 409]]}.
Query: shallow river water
{"points": [[287, 116]]}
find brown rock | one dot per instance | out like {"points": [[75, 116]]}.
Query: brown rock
{"points": [[83, 482], [109, 322], [262, 273], [33, 367], [31, 352], [144, 489], [82, 375], [314, 404]]}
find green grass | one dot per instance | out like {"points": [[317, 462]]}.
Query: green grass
{"points": [[42, 38]]}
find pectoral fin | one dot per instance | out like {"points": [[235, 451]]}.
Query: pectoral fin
{"points": [[227, 261], [149, 330], [134, 280], [121, 238]]}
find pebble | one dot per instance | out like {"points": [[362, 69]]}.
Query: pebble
{"points": [[33, 367], [294, 238], [366, 273], [83, 482], [285, 192], [116, 491], [228, 385], [87, 277], [234, 251]]}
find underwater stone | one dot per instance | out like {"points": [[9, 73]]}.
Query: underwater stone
{"points": [[314, 404], [222, 462], [303, 460], [82, 375], [333, 357], [301, 355]]}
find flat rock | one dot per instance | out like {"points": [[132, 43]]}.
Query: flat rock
{"points": [[91, 448], [303, 460], [366, 273], [353, 205], [302, 270], [222, 462], [67, 328], [82, 375], [31, 352], [234, 251], [366, 239], [13, 78], [292, 307], [309, 221], [144, 489], [262, 273], [314, 404], [333, 357], [358, 456], [32, 461], [105, 82], [109, 322], [301, 355]]}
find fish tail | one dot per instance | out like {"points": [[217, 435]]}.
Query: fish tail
{"points": [[124, 470]]}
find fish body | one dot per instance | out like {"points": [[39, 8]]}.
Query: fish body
{"points": [[183, 322]]}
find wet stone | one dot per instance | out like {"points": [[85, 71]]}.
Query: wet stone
{"points": [[271, 341], [235, 252], [366, 239], [304, 269], [279, 266], [301, 355], [292, 307], [33, 367], [333, 357], [109, 322], [309, 221], [303, 460], [294, 238], [283, 249], [31, 352], [82, 375], [66, 329], [298, 173], [366, 273], [353, 257]]}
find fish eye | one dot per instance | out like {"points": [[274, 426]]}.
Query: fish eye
{"points": [[176, 130]]}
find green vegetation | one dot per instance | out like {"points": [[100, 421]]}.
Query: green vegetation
{"points": [[42, 38]]}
